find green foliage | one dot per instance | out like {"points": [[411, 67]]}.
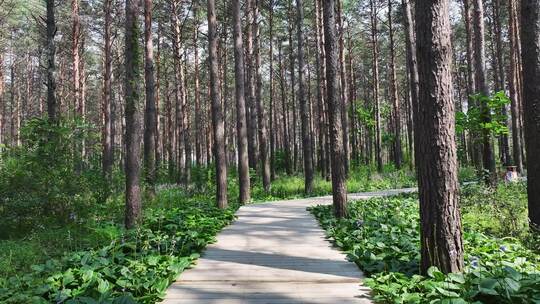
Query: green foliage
{"points": [[366, 115], [500, 211], [137, 266], [40, 180], [473, 120], [382, 237]]}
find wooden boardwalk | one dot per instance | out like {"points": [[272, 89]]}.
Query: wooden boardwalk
{"points": [[274, 252]]}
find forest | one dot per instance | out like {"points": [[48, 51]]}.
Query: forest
{"points": [[140, 138]]}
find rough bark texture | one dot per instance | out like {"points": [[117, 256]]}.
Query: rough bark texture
{"points": [[530, 38], [150, 123], [396, 113], [261, 111], [51, 68], [107, 137], [250, 87], [217, 112], [475, 149], [344, 86], [285, 108], [198, 118], [441, 240], [513, 85], [241, 127], [412, 65], [133, 125], [374, 46], [339, 187], [76, 33], [2, 103], [294, 123], [273, 135], [304, 106]]}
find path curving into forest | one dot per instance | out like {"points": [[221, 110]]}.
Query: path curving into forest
{"points": [[275, 252]]}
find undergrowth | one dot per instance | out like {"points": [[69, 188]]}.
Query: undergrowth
{"points": [[382, 237], [135, 267]]}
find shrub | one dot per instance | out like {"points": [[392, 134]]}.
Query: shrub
{"points": [[42, 180]]}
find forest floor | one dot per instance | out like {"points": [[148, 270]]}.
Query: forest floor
{"points": [[275, 252]]}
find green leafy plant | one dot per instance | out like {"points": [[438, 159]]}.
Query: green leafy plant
{"points": [[382, 237], [473, 121], [135, 267]]}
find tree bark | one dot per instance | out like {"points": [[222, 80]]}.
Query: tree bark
{"points": [[250, 78], [217, 113], [51, 68], [272, 89], [107, 137], [374, 46], [133, 82], [294, 122], [344, 89], [514, 88], [241, 127], [304, 106], [488, 158], [339, 186], [396, 113], [441, 240], [2, 101], [285, 109], [498, 71], [150, 111], [261, 112], [76, 33], [530, 38], [412, 69], [198, 128]]}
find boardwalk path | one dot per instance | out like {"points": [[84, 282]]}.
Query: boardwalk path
{"points": [[274, 252]]}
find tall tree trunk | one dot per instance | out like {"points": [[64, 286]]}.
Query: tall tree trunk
{"points": [[150, 111], [51, 68], [178, 84], [159, 129], [293, 136], [530, 30], [344, 89], [475, 150], [339, 186], [499, 73], [285, 110], [374, 46], [107, 135], [133, 82], [304, 106], [440, 233], [198, 127], [76, 33], [250, 78], [396, 113], [2, 101], [321, 93], [241, 127], [488, 158], [217, 113], [514, 88], [272, 97], [412, 69], [261, 112]]}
